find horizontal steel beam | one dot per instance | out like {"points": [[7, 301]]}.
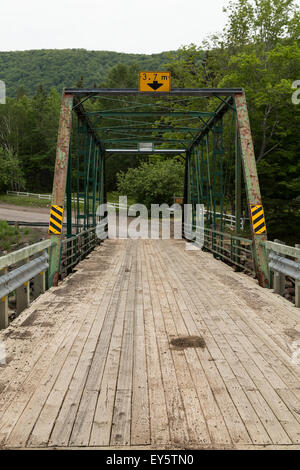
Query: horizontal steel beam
{"points": [[135, 141], [150, 113], [135, 91], [150, 129], [135, 151]]}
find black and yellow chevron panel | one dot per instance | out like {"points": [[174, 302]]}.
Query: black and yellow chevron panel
{"points": [[258, 219], [56, 220]]}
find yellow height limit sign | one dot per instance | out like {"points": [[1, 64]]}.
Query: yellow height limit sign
{"points": [[155, 81]]}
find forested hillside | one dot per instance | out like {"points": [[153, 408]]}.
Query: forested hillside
{"points": [[64, 68]]}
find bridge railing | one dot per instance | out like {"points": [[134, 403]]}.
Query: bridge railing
{"points": [[74, 249], [234, 250], [22, 272], [284, 262]]}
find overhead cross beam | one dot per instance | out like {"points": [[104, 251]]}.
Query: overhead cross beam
{"points": [[144, 139], [134, 91], [150, 113], [150, 129], [148, 152]]}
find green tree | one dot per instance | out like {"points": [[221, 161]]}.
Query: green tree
{"points": [[11, 175], [259, 51], [153, 183]]}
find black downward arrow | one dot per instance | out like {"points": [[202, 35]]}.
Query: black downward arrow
{"points": [[155, 85]]}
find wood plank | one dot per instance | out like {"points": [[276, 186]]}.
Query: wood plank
{"points": [[106, 376], [159, 425], [107, 363], [140, 412], [64, 422], [175, 408], [50, 368], [102, 423], [274, 401], [197, 428], [234, 422]]}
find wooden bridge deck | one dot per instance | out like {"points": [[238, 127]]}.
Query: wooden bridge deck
{"points": [[91, 363]]}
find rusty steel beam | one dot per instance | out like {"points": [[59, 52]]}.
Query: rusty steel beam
{"points": [[252, 187], [60, 179]]}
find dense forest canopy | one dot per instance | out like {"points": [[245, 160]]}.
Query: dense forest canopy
{"points": [[64, 68], [257, 50]]}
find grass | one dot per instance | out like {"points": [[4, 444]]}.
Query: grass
{"points": [[114, 198], [8, 236], [24, 201], [12, 238], [35, 202]]}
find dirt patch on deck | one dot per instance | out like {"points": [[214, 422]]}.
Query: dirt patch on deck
{"points": [[292, 333], [15, 334], [29, 321], [183, 342]]}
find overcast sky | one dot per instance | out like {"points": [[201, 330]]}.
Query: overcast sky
{"points": [[142, 26]]}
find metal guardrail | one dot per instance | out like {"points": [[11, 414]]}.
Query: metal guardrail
{"points": [[284, 266], [280, 266], [17, 280]]}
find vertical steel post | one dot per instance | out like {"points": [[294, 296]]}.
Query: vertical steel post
{"points": [[238, 183], [238, 196], [69, 196], [252, 186], [185, 189], [79, 151], [104, 181], [217, 180], [60, 178]]}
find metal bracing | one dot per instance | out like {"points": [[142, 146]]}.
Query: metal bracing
{"points": [[125, 129], [150, 113], [212, 174], [198, 136], [220, 111]]}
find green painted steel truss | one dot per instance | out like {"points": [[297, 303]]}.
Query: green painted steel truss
{"points": [[109, 124]]}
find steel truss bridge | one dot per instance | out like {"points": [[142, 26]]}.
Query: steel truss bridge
{"points": [[140, 343], [100, 134]]}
